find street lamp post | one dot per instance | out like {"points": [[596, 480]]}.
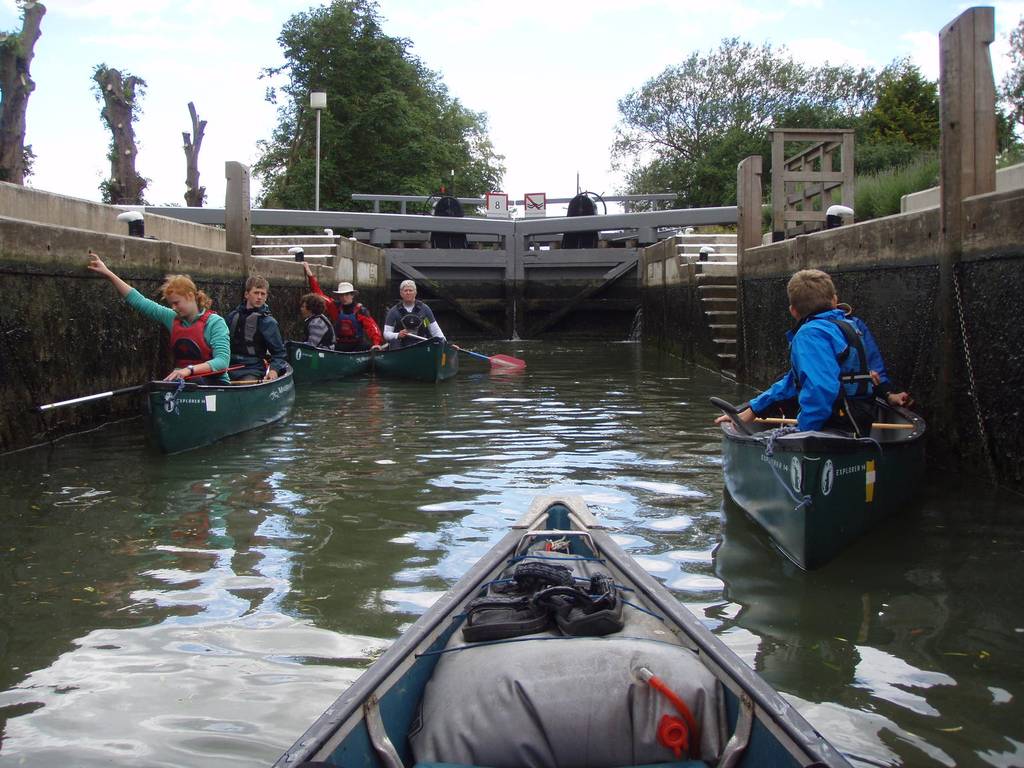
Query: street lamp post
{"points": [[317, 100]]}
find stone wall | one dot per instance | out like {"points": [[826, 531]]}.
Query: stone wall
{"points": [[29, 204], [64, 332], [672, 312]]}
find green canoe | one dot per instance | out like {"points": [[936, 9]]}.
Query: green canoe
{"points": [[313, 364], [814, 492], [196, 415], [432, 360]]}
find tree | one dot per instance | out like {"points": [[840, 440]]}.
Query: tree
{"points": [[390, 125], [687, 128], [17, 50], [906, 107], [195, 195], [1012, 87], [121, 98]]}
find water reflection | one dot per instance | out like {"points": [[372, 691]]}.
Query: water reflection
{"points": [[901, 637], [217, 602]]}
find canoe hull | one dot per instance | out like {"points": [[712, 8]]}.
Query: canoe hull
{"points": [[814, 497], [431, 360], [373, 717], [200, 415], [312, 364]]}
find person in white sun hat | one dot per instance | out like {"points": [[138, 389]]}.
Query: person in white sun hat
{"points": [[354, 328]]}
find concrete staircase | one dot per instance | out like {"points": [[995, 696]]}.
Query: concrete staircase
{"points": [[688, 247], [716, 289]]}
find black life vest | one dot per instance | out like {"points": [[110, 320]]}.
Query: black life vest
{"points": [[414, 320], [861, 379], [319, 334], [246, 338]]}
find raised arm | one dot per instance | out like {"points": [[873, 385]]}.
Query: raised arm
{"points": [[96, 265]]}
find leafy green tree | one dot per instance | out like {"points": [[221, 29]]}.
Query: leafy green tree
{"points": [[687, 128], [390, 125], [905, 109], [1012, 87]]}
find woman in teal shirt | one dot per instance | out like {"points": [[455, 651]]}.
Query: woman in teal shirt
{"points": [[200, 342]]}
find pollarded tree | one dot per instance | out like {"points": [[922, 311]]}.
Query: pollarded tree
{"points": [[390, 125], [195, 195], [17, 50], [121, 98]]}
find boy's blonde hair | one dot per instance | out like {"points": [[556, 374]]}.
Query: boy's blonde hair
{"points": [[257, 281], [810, 291]]}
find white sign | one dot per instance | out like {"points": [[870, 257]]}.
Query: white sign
{"points": [[536, 204], [497, 205]]}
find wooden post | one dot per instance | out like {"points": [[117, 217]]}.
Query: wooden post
{"points": [[237, 211], [968, 150], [778, 187], [748, 235], [846, 161]]}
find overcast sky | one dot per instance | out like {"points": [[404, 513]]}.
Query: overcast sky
{"points": [[548, 76]]}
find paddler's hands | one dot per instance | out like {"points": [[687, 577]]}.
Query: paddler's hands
{"points": [[271, 375], [306, 269], [176, 374], [747, 416], [96, 264], [902, 399]]}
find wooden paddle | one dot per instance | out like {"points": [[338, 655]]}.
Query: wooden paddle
{"points": [[506, 360], [122, 391], [875, 425]]}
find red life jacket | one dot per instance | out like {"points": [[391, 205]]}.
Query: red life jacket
{"points": [[188, 343], [348, 329]]}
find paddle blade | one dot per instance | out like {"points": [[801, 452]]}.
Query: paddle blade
{"points": [[507, 361]]}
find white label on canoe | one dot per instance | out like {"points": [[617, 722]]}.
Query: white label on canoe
{"points": [[211, 402], [796, 473], [321, 354], [298, 353], [828, 477]]}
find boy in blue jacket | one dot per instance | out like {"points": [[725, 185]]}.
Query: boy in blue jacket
{"points": [[837, 369]]}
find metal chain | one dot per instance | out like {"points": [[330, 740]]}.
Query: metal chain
{"points": [[973, 388]]}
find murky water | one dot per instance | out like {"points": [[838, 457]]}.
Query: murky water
{"points": [[203, 609]]}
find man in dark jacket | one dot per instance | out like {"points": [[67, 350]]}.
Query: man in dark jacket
{"points": [[255, 336]]}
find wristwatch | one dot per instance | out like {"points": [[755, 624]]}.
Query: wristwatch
{"points": [[191, 370]]}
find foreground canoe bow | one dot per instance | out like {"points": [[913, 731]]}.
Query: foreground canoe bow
{"points": [[815, 492], [558, 649], [312, 364], [181, 418], [431, 360]]}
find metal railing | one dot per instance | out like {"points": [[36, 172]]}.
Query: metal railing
{"points": [[645, 228], [404, 200]]}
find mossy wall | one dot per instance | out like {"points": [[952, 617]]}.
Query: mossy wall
{"points": [[65, 332]]}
